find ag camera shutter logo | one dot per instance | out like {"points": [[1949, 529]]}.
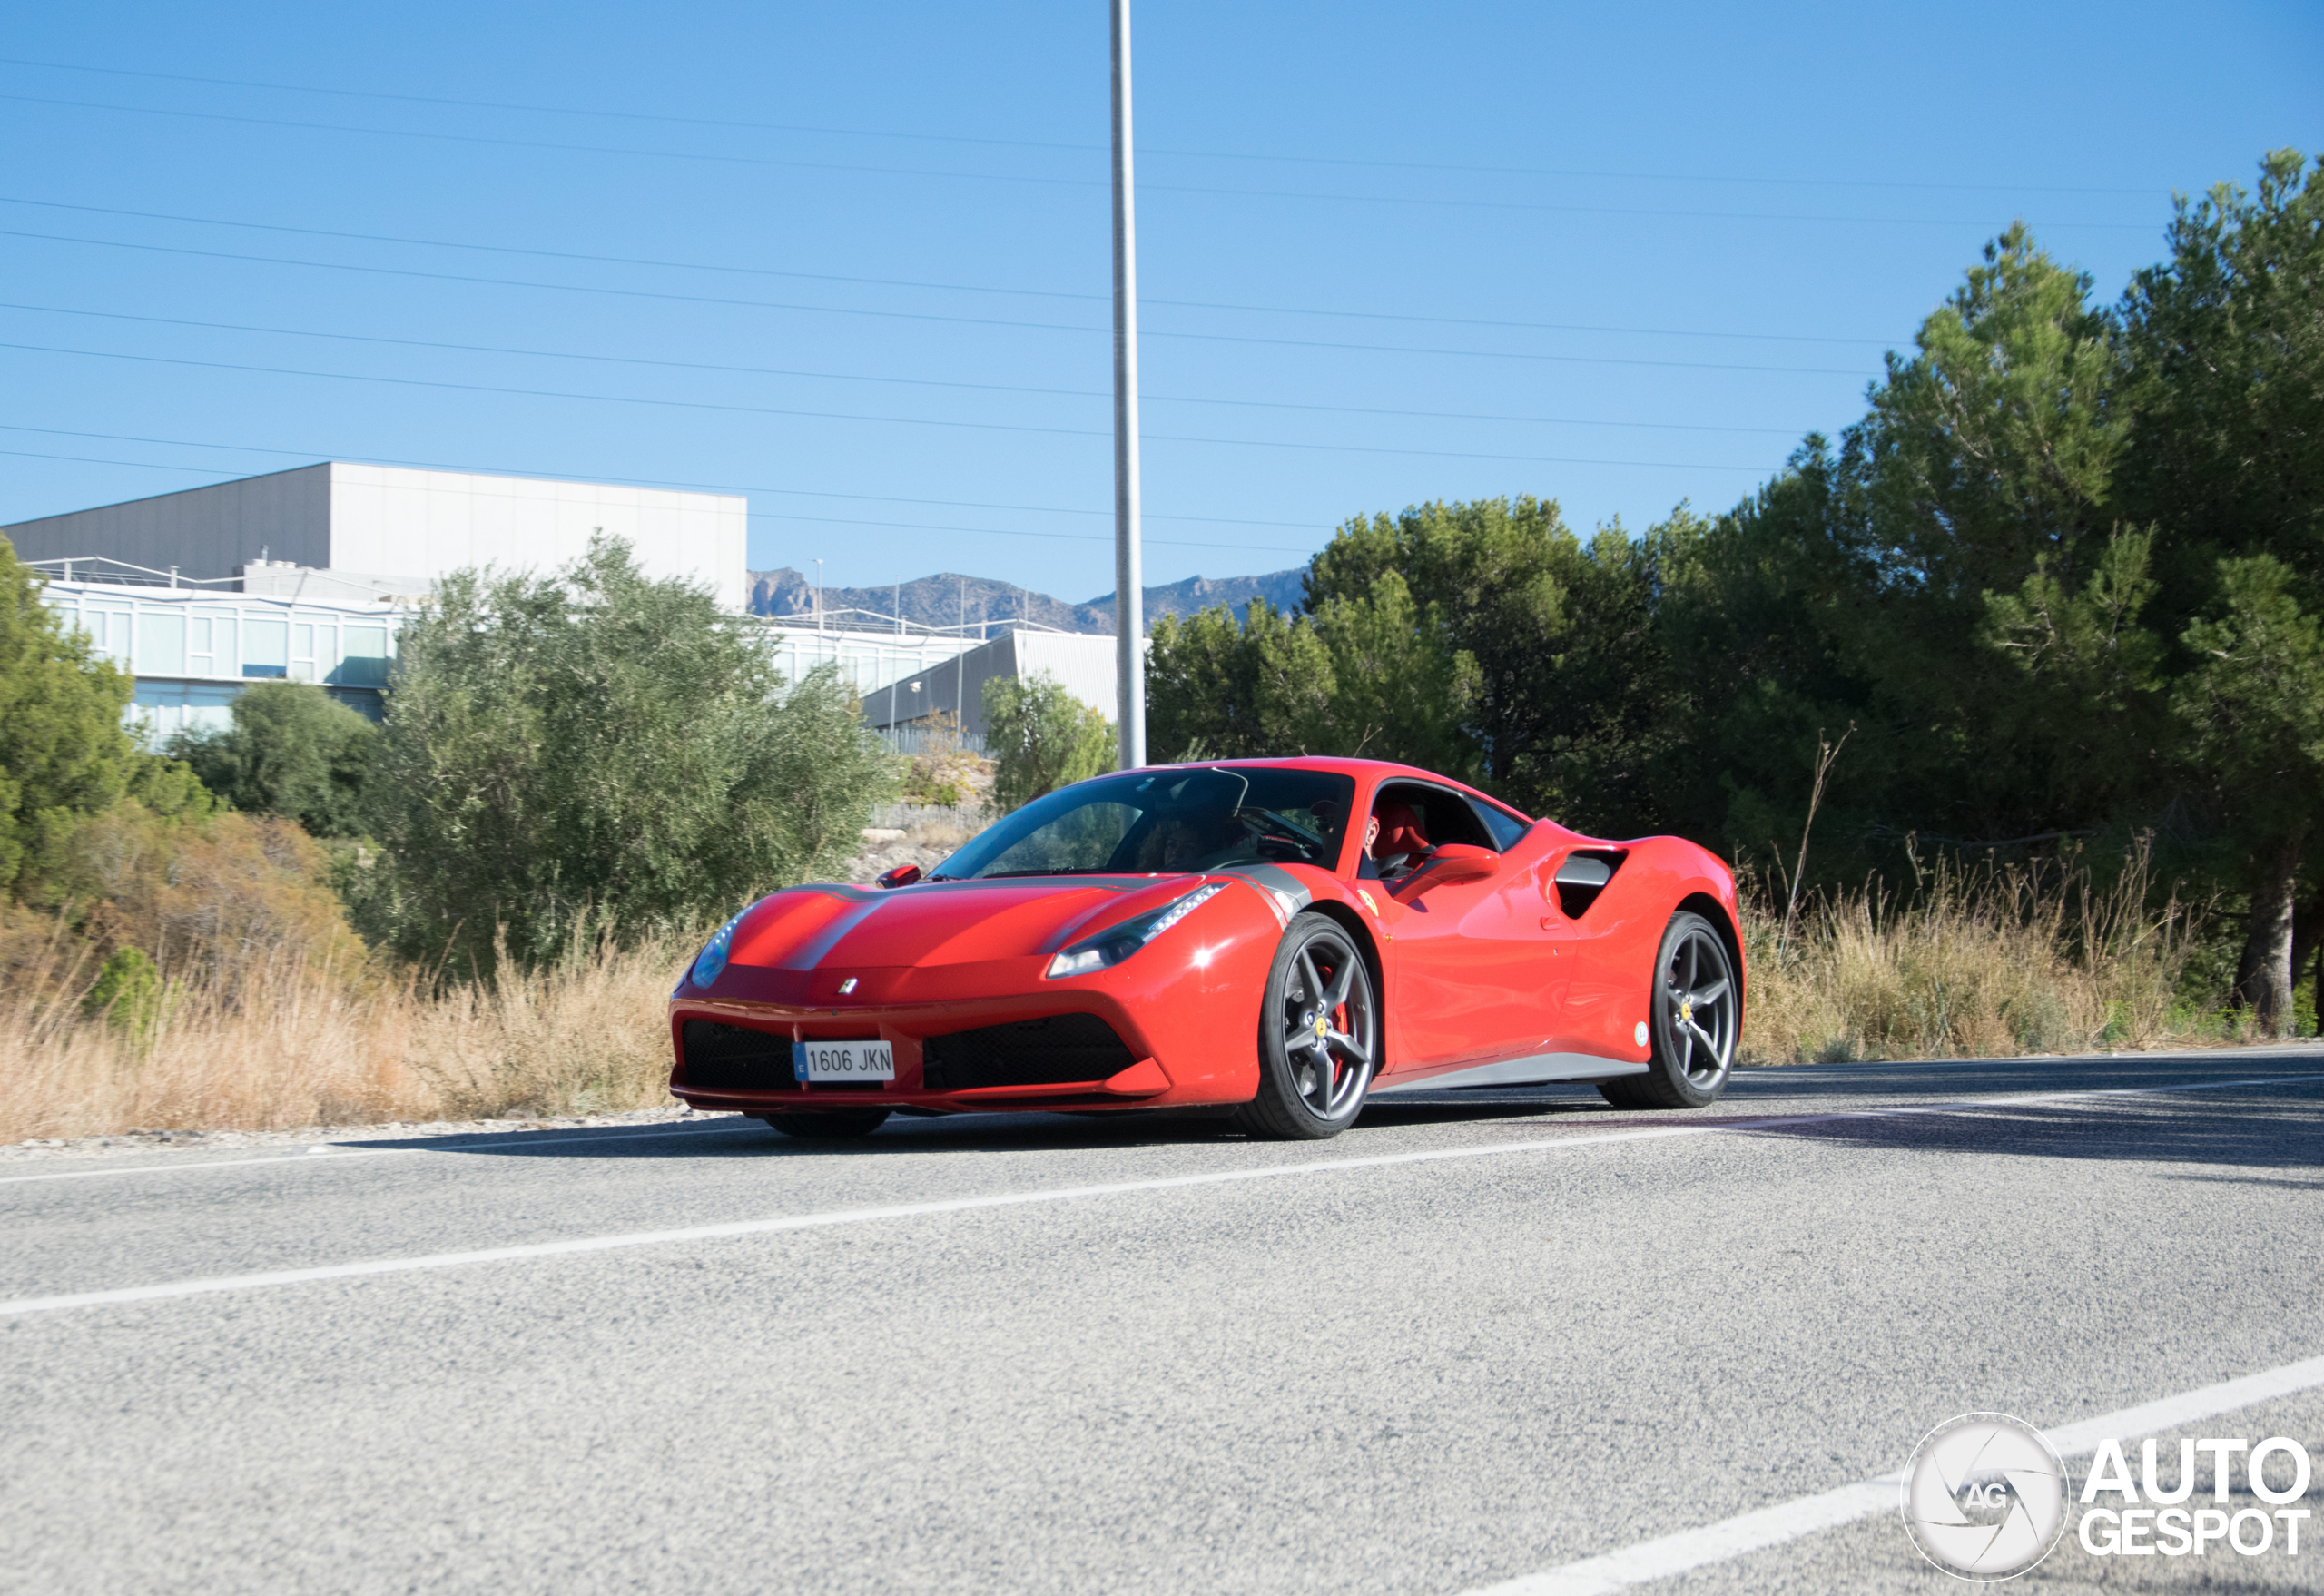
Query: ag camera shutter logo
{"points": [[1984, 1497]]}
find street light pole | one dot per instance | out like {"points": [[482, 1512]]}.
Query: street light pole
{"points": [[1129, 576]]}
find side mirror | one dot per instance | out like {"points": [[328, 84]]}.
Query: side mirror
{"points": [[903, 875], [1462, 861], [1451, 862]]}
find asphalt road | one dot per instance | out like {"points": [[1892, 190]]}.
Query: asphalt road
{"points": [[1470, 1339]]}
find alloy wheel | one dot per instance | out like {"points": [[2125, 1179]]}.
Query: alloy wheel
{"points": [[1330, 1025]]}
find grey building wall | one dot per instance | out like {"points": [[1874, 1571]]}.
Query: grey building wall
{"points": [[1084, 664], [956, 686], [205, 532]]}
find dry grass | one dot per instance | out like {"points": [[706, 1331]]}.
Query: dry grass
{"points": [[296, 1044], [1983, 963], [1987, 964], [947, 834]]}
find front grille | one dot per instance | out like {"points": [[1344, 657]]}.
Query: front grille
{"points": [[1053, 1051], [733, 1055]]}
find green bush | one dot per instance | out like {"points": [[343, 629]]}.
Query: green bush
{"points": [[1042, 738], [293, 750], [64, 752], [595, 752], [127, 992]]}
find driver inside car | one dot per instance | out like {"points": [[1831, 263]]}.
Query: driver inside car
{"points": [[1177, 843], [1394, 845]]}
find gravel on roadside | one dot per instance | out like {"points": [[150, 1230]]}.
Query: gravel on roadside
{"points": [[144, 1141]]}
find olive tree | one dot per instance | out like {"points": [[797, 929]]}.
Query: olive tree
{"points": [[596, 752], [1042, 737], [293, 750]]}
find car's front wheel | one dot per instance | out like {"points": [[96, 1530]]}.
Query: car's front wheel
{"points": [[828, 1123], [1697, 1015], [1319, 1036]]}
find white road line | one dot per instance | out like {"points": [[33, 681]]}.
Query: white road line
{"points": [[2170, 1412], [637, 1239], [339, 1152], [1670, 1555]]}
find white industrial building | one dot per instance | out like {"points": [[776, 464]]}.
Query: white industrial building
{"points": [[341, 530], [304, 574], [191, 650], [867, 659]]}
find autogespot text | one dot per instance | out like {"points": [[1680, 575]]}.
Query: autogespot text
{"points": [[2145, 1520]]}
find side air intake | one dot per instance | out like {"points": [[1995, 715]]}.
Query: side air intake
{"points": [[1581, 878]]}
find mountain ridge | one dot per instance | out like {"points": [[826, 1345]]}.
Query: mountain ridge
{"points": [[948, 599]]}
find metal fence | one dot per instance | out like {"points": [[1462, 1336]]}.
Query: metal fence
{"points": [[908, 738], [901, 817]]}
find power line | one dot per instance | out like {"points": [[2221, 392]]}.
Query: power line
{"points": [[629, 293], [852, 416], [1052, 144], [619, 398], [896, 381], [915, 315], [440, 243], [857, 169], [315, 453], [1064, 536], [508, 144], [833, 520], [481, 348], [379, 237]]}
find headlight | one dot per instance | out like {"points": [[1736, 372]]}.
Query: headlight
{"points": [[1116, 942], [712, 959]]}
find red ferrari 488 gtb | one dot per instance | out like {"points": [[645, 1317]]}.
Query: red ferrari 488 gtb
{"points": [[1287, 936]]}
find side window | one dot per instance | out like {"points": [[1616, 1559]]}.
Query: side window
{"points": [[1506, 828], [1445, 817], [1451, 820]]}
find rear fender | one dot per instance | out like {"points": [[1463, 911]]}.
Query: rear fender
{"points": [[1658, 877]]}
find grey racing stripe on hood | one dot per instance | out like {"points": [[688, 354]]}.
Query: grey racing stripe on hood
{"points": [[1275, 879], [809, 954]]}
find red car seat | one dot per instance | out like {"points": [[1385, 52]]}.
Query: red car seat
{"points": [[1400, 832]]}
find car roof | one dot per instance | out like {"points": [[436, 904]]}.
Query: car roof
{"points": [[1378, 770]]}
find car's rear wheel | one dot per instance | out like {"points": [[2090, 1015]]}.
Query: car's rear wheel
{"points": [[1319, 1036], [1697, 1015], [827, 1123]]}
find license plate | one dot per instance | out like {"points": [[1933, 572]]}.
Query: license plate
{"points": [[843, 1061]]}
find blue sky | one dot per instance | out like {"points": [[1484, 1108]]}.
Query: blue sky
{"points": [[853, 259]]}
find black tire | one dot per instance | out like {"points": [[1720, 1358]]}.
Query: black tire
{"points": [[1319, 1036], [827, 1123], [1697, 1012]]}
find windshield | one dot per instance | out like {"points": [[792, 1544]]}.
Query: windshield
{"points": [[1178, 818]]}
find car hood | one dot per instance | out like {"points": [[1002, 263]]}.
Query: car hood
{"points": [[937, 923]]}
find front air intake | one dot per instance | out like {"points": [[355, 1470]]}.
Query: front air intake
{"points": [[720, 1055], [1061, 1050]]}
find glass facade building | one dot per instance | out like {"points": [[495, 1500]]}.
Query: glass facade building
{"points": [[192, 651]]}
